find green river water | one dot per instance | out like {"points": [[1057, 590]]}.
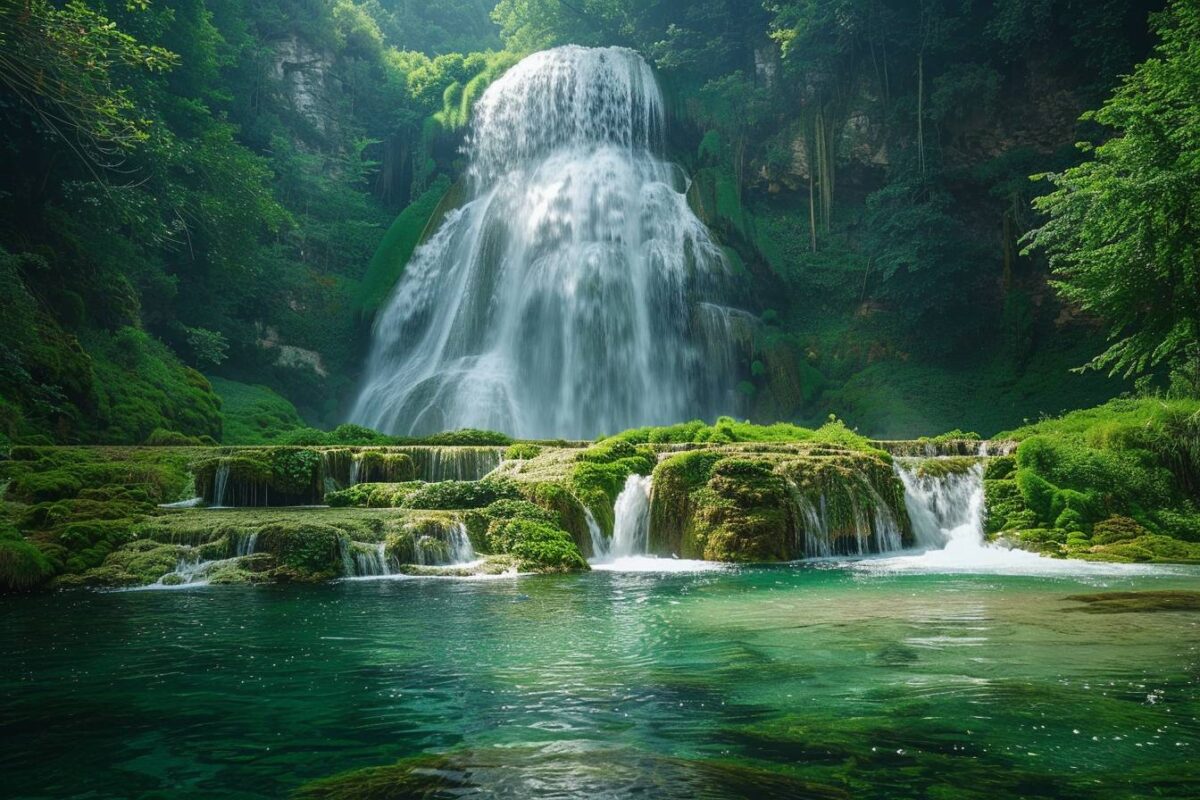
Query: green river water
{"points": [[828, 680]]}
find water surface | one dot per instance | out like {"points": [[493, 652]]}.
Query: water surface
{"points": [[878, 680]]}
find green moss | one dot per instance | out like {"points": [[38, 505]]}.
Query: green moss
{"points": [[36, 487], [254, 414], [461, 494], [304, 551], [160, 437], [999, 468], [538, 546], [22, 566], [466, 437], [522, 450], [373, 495], [375, 466], [143, 386]]}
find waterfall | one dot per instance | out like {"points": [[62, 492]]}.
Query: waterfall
{"points": [[370, 560], [244, 544], [220, 484], [947, 509], [461, 551], [631, 527], [842, 515], [599, 543], [575, 292], [433, 464]]}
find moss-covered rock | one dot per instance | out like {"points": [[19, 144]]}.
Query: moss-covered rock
{"points": [[537, 546], [461, 494], [304, 551], [774, 502], [23, 566], [377, 466]]}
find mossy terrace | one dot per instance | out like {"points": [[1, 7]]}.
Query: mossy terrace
{"points": [[1117, 485]]}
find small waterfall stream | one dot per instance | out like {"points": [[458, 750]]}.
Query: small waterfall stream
{"points": [[220, 484], [631, 526], [600, 545], [946, 510]]}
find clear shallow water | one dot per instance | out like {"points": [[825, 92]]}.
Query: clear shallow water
{"points": [[799, 681]]}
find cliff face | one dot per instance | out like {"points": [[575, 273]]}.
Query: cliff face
{"points": [[306, 82]]}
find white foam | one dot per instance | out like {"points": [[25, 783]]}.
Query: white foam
{"points": [[656, 564]]}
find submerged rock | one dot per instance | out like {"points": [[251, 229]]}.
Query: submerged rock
{"points": [[1133, 602], [572, 769]]}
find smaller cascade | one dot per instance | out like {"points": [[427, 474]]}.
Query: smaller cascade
{"points": [[191, 571], [458, 463], [220, 484], [461, 551], [337, 468], [842, 514], [369, 560], [631, 526], [600, 545], [431, 543], [244, 544], [946, 506]]}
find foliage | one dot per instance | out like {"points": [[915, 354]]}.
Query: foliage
{"points": [[254, 414], [1122, 225], [537, 545], [22, 566], [1118, 472], [461, 494], [522, 450]]}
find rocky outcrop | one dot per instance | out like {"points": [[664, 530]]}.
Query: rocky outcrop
{"points": [[305, 79], [758, 502]]}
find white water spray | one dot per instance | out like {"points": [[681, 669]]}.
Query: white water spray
{"points": [[946, 510], [575, 292]]}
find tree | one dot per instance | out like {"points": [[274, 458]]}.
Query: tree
{"points": [[1123, 233], [62, 63]]}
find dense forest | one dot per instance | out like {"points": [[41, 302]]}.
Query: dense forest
{"points": [[203, 204]]}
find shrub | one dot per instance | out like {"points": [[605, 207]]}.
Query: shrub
{"points": [[522, 451], [22, 566], [537, 545], [161, 437], [461, 494], [1117, 529]]}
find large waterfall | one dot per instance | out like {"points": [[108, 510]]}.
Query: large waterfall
{"points": [[575, 293]]}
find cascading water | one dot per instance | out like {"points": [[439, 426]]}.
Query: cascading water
{"points": [[576, 292], [600, 545], [370, 560], [946, 510], [631, 518], [461, 551], [220, 484]]}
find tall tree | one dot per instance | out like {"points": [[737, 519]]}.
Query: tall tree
{"points": [[1123, 233]]}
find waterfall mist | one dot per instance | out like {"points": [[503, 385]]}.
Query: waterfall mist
{"points": [[575, 293]]}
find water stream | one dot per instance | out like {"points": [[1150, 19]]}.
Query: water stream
{"points": [[575, 292]]}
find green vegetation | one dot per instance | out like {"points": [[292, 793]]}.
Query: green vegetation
{"points": [[233, 189], [1122, 224], [1116, 482], [254, 414]]}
